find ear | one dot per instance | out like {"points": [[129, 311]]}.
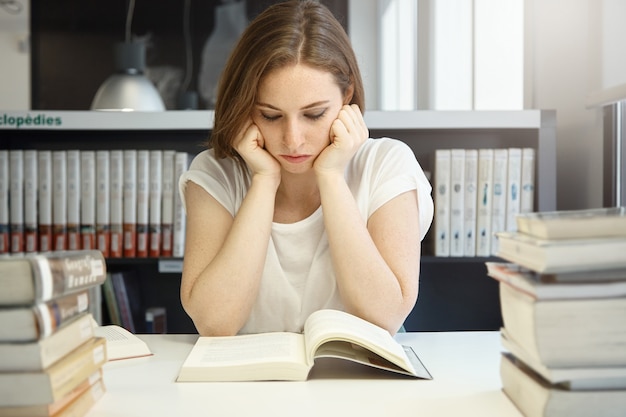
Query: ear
{"points": [[347, 97]]}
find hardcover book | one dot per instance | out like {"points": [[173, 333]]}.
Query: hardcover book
{"points": [[31, 240], [577, 332], [33, 322], [442, 202], [41, 354], [564, 255], [40, 277], [291, 356], [574, 224], [55, 382], [44, 204], [535, 397]]}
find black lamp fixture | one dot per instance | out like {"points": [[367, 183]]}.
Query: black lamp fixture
{"points": [[128, 89]]}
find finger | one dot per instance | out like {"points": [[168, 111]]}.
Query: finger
{"points": [[338, 130]]}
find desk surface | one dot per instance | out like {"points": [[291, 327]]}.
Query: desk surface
{"points": [[465, 367]]}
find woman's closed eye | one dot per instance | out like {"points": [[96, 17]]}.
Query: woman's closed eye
{"points": [[315, 116], [311, 116], [270, 117]]}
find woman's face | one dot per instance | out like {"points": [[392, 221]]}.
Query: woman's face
{"points": [[296, 107]]}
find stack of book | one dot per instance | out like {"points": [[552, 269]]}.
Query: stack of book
{"points": [[563, 301], [50, 359]]}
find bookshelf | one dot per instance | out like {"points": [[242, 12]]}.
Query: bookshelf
{"points": [[455, 293]]}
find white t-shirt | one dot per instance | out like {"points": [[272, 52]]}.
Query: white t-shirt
{"points": [[298, 278]]}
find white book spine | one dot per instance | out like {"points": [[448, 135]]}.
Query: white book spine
{"points": [[73, 199], [130, 203], [469, 200], [5, 233], [59, 200], [483, 202], [181, 165], [169, 187], [442, 202], [116, 203], [156, 194], [457, 204], [527, 198], [498, 203], [44, 206], [143, 202], [103, 209], [16, 199], [30, 201], [88, 199], [513, 190]]}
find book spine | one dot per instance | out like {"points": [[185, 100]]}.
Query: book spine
{"points": [[111, 301], [59, 200], [527, 181], [130, 203], [5, 248], [103, 212], [73, 199], [143, 202], [513, 189], [123, 301], [156, 320], [54, 313], [156, 194], [30, 201], [180, 166], [44, 194], [38, 356], [483, 202], [116, 249], [169, 187], [442, 202], [77, 366], [67, 272], [88, 200], [16, 200], [469, 201], [498, 196], [85, 401], [457, 204]]}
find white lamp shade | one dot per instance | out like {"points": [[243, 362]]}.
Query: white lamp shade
{"points": [[127, 92]]}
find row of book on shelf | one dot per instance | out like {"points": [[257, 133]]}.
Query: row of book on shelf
{"points": [[52, 350], [562, 286], [479, 192], [122, 202]]}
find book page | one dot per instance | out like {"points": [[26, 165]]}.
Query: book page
{"points": [[325, 326], [263, 356], [122, 344]]}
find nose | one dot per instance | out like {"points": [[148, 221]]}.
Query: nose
{"points": [[293, 134]]}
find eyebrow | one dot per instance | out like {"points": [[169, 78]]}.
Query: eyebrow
{"points": [[308, 106]]}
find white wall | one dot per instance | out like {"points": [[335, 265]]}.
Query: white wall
{"points": [[571, 47], [15, 62]]}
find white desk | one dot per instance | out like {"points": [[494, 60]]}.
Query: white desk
{"points": [[465, 367]]}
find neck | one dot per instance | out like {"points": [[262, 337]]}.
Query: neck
{"points": [[297, 198]]}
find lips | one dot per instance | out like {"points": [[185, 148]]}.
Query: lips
{"points": [[296, 159]]}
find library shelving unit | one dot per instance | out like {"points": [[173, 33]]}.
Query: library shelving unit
{"points": [[455, 293]]}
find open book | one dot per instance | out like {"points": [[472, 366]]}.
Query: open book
{"points": [[290, 356], [122, 344]]}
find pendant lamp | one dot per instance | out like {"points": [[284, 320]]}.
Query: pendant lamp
{"points": [[128, 89]]}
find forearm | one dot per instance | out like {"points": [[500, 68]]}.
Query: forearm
{"points": [[368, 285], [224, 292]]}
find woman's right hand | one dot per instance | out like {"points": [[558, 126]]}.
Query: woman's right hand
{"points": [[250, 144]]}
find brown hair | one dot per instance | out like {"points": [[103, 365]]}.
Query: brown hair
{"points": [[296, 31]]}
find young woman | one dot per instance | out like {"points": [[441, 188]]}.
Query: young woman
{"points": [[294, 208]]}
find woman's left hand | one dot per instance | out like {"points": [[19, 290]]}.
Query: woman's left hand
{"points": [[347, 133]]}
